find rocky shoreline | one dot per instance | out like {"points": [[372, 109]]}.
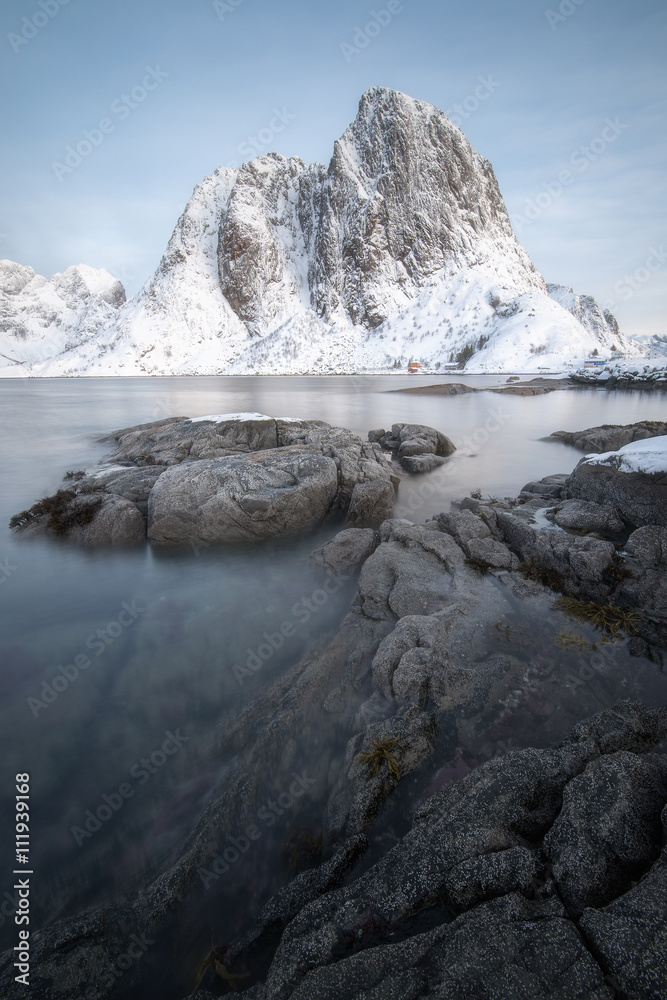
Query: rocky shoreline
{"points": [[540, 872]]}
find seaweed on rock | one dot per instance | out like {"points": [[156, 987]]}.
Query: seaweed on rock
{"points": [[549, 577], [610, 618], [382, 748], [214, 960], [63, 513]]}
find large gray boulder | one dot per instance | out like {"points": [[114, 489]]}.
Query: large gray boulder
{"points": [[346, 551], [584, 515], [267, 494], [180, 439], [229, 478]]}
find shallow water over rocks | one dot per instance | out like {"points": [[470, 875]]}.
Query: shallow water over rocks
{"points": [[189, 640]]}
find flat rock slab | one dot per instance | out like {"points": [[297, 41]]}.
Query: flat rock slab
{"points": [[262, 495], [610, 437]]}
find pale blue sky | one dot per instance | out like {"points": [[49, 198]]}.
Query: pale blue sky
{"points": [[218, 74]]}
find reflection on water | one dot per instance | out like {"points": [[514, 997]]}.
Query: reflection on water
{"points": [[118, 668]]}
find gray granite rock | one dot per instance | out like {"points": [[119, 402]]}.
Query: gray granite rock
{"points": [[477, 836], [639, 498], [630, 936], [417, 464], [267, 494], [346, 551], [584, 515], [371, 504], [608, 831]]}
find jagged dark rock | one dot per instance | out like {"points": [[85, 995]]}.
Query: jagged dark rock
{"points": [[475, 845], [639, 498]]}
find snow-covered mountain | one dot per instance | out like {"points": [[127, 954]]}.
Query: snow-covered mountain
{"points": [[401, 249], [41, 319], [655, 344]]}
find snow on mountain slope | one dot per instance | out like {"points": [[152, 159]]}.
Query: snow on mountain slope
{"points": [[41, 319], [655, 345], [585, 309], [400, 249]]}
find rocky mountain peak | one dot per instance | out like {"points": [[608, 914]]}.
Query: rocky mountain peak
{"points": [[399, 249]]}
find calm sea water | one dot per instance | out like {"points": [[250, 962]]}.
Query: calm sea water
{"points": [[162, 631]]}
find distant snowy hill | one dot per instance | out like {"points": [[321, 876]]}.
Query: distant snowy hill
{"points": [[655, 345], [401, 249], [42, 319]]}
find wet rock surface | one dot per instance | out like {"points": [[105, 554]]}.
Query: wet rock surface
{"points": [[481, 846], [535, 873], [584, 515]]}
